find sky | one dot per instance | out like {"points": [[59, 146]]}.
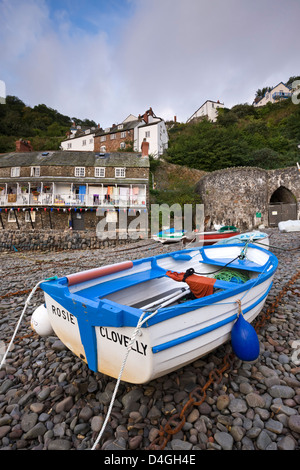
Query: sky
{"points": [[106, 59]]}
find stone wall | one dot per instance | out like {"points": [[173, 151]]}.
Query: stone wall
{"points": [[56, 218], [54, 240], [241, 196]]}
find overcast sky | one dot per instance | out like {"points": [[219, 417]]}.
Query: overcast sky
{"points": [[106, 59]]}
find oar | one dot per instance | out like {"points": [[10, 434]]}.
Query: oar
{"points": [[168, 299]]}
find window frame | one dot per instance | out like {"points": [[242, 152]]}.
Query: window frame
{"points": [[78, 171], [15, 171], [35, 171], [100, 169], [120, 172]]}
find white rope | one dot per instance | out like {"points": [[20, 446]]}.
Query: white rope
{"points": [[129, 347], [19, 322]]}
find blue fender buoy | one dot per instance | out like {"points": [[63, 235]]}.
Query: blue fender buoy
{"points": [[244, 340]]}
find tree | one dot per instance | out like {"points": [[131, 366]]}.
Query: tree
{"points": [[261, 92]]}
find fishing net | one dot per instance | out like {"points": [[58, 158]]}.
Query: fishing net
{"points": [[232, 275]]}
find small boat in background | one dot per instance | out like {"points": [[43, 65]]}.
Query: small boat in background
{"points": [[171, 308], [169, 235], [260, 238], [209, 238]]}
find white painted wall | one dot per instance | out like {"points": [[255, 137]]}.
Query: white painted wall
{"points": [[209, 109], [156, 134], [83, 143]]}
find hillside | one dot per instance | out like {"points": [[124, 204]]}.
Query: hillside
{"points": [[171, 183], [44, 127], [266, 137]]}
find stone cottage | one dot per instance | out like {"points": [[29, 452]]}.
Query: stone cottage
{"points": [[60, 189]]}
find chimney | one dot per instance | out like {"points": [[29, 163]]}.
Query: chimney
{"points": [[145, 148], [175, 118], [23, 146]]}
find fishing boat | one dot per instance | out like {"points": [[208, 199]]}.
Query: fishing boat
{"points": [[210, 238], [171, 309], [169, 235], [256, 237]]}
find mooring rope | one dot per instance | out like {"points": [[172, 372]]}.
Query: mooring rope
{"points": [[21, 317]]}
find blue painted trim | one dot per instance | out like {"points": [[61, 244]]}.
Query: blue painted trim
{"points": [[237, 264], [203, 331]]}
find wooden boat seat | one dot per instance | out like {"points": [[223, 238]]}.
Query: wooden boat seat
{"points": [[243, 264], [115, 285]]}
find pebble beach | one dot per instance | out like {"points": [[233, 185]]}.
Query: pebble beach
{"points": [[50, 400]]}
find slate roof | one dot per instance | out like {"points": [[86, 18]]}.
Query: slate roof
{"points": [[114, 129], [73, 158]]}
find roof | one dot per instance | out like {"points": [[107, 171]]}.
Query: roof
{"points": [[112, 130], [73, 158]]}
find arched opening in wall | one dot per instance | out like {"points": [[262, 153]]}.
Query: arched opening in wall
{"points": [[283, 206]]}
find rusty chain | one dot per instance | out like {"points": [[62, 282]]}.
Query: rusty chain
{"points": [[197, 396]]}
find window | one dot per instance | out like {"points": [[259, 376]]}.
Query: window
{"points": [[147, 134], [122, 145], [79, 171], [103, 138], [83, 142], [35, 171], [28, 215], [99, 172], [69, 145], [123, 135], [91, 141], [112, 136], [15, 171], [120, 126], [11, 217], [120, 172]]}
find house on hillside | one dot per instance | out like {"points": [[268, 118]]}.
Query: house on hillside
{"points": [[208, 110], [58, 189], [278, 93], [79, 139], [132, 132]]}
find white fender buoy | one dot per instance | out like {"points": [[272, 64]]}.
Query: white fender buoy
{"points": [[40, 322]]}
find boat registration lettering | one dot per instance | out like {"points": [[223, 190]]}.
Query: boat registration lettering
{"points": [[123, 340], [64, 314]]}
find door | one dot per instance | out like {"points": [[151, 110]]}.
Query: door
{"points": [[283, 206], [78, 220], [281, 211], [82, 192]]}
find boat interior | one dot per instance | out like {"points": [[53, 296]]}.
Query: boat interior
{"points": [[146, 286]]}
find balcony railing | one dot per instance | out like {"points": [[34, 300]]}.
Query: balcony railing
{"points": [[67, 200], [280, 94]]}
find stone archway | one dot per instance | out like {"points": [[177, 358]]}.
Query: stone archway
{"points": [[282, 206]]}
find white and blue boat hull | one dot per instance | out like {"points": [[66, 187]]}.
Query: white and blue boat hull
{"points": [[96, 317]]}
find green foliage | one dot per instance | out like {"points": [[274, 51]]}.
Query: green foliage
{"points": [[244, 135], [44, 127]]}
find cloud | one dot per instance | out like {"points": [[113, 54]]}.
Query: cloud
{"points": [[188, 52], [172, 55]]}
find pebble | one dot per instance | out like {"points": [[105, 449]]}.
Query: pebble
{"points": [[50, 400]]}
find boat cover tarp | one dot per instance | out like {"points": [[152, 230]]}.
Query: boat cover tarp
{"points": [[200, 286]]}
